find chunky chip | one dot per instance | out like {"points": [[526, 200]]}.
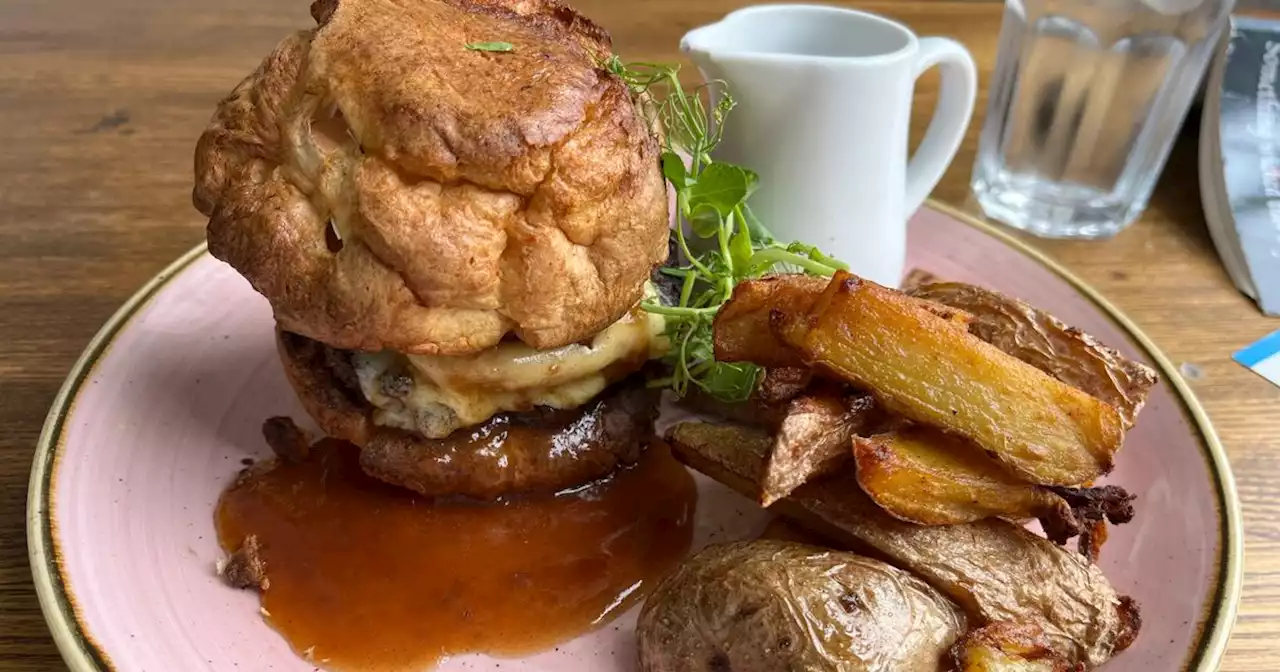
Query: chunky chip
{"points": [[813, 440], [925, 476], [922, 367], [1045, 342], [742, 331]]}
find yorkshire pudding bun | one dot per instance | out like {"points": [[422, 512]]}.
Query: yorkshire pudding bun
{"points": [[387, 187]]}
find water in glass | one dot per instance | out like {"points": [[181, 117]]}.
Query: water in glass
{"points": [[1086, 101]]}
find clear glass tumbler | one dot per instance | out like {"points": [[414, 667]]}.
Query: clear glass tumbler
{"points": [[1086, 101]]}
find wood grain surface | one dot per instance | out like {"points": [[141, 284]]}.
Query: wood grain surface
{"points": [[101, 104]]}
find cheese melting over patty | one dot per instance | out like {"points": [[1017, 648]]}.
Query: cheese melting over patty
{"points": [[436, 395]]}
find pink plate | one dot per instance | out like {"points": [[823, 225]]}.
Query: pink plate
{"points": [[158, 413]]}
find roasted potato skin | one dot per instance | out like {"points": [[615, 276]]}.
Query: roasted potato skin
{"points": [[813, 424], [995, 570], [1045, 342], [922, 475], [813, 440], [769, 605], [1008, 647], [923, 368], [741, 330]]}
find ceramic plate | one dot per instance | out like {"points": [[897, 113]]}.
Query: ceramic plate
{"points": [[170, 397]]}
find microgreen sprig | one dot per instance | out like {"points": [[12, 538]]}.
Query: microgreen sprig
{"points": [[500, 47], [730, 244]]}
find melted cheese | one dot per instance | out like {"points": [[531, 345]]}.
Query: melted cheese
{"points": [[435, 395]]}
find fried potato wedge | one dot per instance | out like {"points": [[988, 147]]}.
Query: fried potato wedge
{"points": [[1092, 538], [813, 440], [781, 385], [813, 424], [1008, 647], [922, 368], [917, 277], [1044, 342], [923, 475], [812, 432], [995, 570], [956, 318], [741, 328], [1092, 509]]}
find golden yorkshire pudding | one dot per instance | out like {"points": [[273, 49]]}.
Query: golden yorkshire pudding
{"points": [[387, 186]]}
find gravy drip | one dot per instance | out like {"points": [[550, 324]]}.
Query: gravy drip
{"points": [[365, 576]]}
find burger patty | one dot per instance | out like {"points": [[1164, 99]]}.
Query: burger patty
{"points": [[541, 450]]}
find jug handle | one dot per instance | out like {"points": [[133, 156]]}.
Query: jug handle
{"points": [[950, 117]]}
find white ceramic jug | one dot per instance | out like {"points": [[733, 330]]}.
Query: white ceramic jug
{"points": [[823, 109]]}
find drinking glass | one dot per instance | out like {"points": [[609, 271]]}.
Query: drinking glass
{"points": [[1086, 101]]}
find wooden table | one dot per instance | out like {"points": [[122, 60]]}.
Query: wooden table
{"points": [[101, 103]]}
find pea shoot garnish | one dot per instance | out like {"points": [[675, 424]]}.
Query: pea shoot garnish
{"points": [[729, 244]]}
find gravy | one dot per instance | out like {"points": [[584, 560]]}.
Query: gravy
{"points": [[365, 576]]}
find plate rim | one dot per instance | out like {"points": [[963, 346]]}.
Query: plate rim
{"points": [[82, 654]]}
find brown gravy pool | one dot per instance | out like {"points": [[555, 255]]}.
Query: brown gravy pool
{"points": [[364, 576]]}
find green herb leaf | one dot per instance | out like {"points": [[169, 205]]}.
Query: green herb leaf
{"points": [[722, 186], [705, 221], [730, 382], [615, 65], [815, 254], [491, 46], [740, 251], [674, 170], [755, 226]]}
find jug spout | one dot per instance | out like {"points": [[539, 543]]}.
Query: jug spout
{"points": [[700, 41], [698, 45], [694, 42], [718, 52]]}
